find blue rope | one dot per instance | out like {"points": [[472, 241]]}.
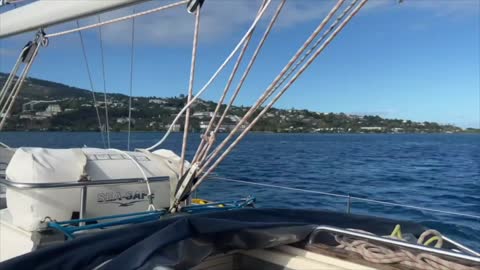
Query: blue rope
{"points": [[70, 227]]}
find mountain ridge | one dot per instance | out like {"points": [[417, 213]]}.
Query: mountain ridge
{"points": [[36, 109]]}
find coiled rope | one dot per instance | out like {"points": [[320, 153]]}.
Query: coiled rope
{"points": [[384, 255]]}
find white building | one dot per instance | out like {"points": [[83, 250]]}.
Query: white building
{"points": [[26, 116], [371, 128], [124, 120], [203, 115], [234, 118], [204, 125], [53, 109], [176, 128], [157, 101]]}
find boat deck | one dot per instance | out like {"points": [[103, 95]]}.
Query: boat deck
{"points": [[290, 257]]}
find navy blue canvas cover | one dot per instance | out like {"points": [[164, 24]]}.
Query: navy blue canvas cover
{"points": [[183, 241]]}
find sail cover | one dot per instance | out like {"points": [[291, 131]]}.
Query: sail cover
{"points": [[44, 13]]}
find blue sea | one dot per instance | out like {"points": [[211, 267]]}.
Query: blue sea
{"points": [[439, 171]]}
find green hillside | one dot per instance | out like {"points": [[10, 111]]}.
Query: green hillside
{"points": [[46, 105]]}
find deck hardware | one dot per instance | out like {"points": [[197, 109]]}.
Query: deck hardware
{"points": [[394, 242]]}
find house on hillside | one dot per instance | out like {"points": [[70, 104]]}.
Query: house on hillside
{"points": [[203, 115], [124, 120], [157, 101], [371, 128]]}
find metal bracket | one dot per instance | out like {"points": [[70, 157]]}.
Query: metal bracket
{"points": [[193, 5], [31, 46], [185, 182], [41, 38], [28, 52]]}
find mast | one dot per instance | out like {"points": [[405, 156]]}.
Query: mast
{"points": [[45, 13]]}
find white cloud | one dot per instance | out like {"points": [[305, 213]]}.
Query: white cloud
{"points": [[227, 18], [223, 18], [219, 19]]}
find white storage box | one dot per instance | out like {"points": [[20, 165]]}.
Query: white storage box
{"points": [[29, 207]]}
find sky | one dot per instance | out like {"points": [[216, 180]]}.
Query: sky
{"points": [[417, 60]]}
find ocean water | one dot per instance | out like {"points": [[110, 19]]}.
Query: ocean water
{"points": [[439, 171]]}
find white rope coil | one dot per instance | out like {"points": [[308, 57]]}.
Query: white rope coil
{"points": [[383, 255]]}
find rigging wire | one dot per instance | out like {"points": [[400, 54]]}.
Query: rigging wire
{"points": [[306, 54], [40, 41], [107, 126], [244, 76], [132, 55], [284, 89], [11, 77], [269, 89], [210, 139], [214, 76], [190, 87], [90, 80], [318, 42], [342, 196]]}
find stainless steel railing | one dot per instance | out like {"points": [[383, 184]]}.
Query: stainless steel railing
{"points": [[350, 200]]}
